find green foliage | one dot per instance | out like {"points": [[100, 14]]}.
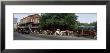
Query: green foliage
{"points": [[94, 24], [58, 20], [86, 24], [91, 24]]}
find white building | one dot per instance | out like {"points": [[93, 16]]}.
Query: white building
{"points": [[15, 23]]}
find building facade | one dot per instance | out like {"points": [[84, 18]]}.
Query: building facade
{"points": [[15, 23], [30, 22], [31, 18]]}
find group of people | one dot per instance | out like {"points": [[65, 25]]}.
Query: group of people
{"points": [[61, 32], [68, 32], [57, 32], [65, 32]]}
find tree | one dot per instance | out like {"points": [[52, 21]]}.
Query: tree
{"points": [[91, 24], [58, 20], [84, 24], [94, 24]]}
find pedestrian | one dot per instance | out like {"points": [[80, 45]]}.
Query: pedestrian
{"points": [[57, 32]]}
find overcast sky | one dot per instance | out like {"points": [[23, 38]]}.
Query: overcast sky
{"points": [[87, 17], [82, 17]]}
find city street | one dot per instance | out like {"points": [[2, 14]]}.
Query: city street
{"points": [[19, 36]]}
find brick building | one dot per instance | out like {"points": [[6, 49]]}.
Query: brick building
{"points": [[31, 18], [30, 23]]}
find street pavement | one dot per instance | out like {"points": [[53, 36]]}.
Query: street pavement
{"points": [[19, 36]]}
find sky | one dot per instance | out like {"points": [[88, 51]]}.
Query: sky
{"points": [[82, 17], [19, 16], [87, 17]]}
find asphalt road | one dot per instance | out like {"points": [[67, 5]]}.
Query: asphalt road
{"points": [[19, 36]]}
